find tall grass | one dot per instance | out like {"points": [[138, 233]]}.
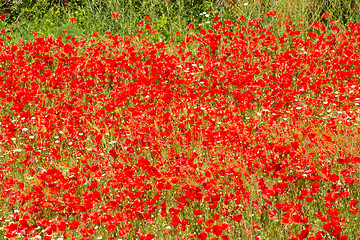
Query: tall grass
{"points": [[50, 18]]}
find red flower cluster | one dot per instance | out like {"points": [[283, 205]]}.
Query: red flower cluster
{"points": [[251, 133]]}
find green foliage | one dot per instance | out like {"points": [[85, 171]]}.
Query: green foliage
{"points": [[51, 17], [344, 11], [27, 9]]}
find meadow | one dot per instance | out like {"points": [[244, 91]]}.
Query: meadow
{"points": [[180, 120]]}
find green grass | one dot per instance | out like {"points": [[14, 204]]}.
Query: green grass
{"points": [[167, 17]]}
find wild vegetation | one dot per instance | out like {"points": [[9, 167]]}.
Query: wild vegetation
{"points": [[179, 120]]}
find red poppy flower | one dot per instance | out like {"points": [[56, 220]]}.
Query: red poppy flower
{"points": [[72, 19], [115, 15], [272, 14], [197, 212]]}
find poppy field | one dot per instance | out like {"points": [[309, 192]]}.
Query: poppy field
{"points": [[233, 133]]}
